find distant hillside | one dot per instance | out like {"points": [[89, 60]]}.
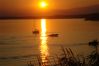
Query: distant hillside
{"points": [[79, 11], [88, 12]]}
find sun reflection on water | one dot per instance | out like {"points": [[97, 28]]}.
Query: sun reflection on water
{"points": [[43, 37]]}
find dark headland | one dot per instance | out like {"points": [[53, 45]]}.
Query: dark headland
{"points": [[92, 17]]}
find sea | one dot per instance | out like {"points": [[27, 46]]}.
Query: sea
{"points": [[19, 46]]}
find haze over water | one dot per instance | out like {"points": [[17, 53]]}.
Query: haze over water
{"points": [[18, 44]]}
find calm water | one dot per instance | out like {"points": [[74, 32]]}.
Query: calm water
{"points": [[18, 45]]}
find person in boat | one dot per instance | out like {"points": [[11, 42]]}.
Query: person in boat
{"points": [[35, 31]]}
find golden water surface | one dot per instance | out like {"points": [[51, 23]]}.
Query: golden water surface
{"points": [[43, 37]]}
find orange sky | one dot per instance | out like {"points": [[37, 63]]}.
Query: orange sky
{"points": [[53, 4], [15, 7]]}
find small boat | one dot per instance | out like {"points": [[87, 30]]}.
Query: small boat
{"points": [[53, 35], [35, 31]]}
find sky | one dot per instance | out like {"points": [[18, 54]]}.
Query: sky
{"points": [[21, 6]]}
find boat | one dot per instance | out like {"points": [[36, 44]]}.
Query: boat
{"points": [[35, 31], [53, 35]]}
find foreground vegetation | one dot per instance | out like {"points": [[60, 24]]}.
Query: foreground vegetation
{"points": [[68, 58]]}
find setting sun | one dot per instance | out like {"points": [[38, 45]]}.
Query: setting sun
{"points": [[43, 4]]}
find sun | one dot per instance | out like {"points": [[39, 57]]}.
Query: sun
{"points": [[43, 4]]}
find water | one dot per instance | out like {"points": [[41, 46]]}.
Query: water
{"points": [[18, 45]]}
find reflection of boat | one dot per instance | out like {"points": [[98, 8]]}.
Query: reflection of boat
{"points": [[35, 31], [53, 35]]}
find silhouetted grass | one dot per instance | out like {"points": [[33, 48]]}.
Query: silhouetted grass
{"points": [[69, 58]]}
